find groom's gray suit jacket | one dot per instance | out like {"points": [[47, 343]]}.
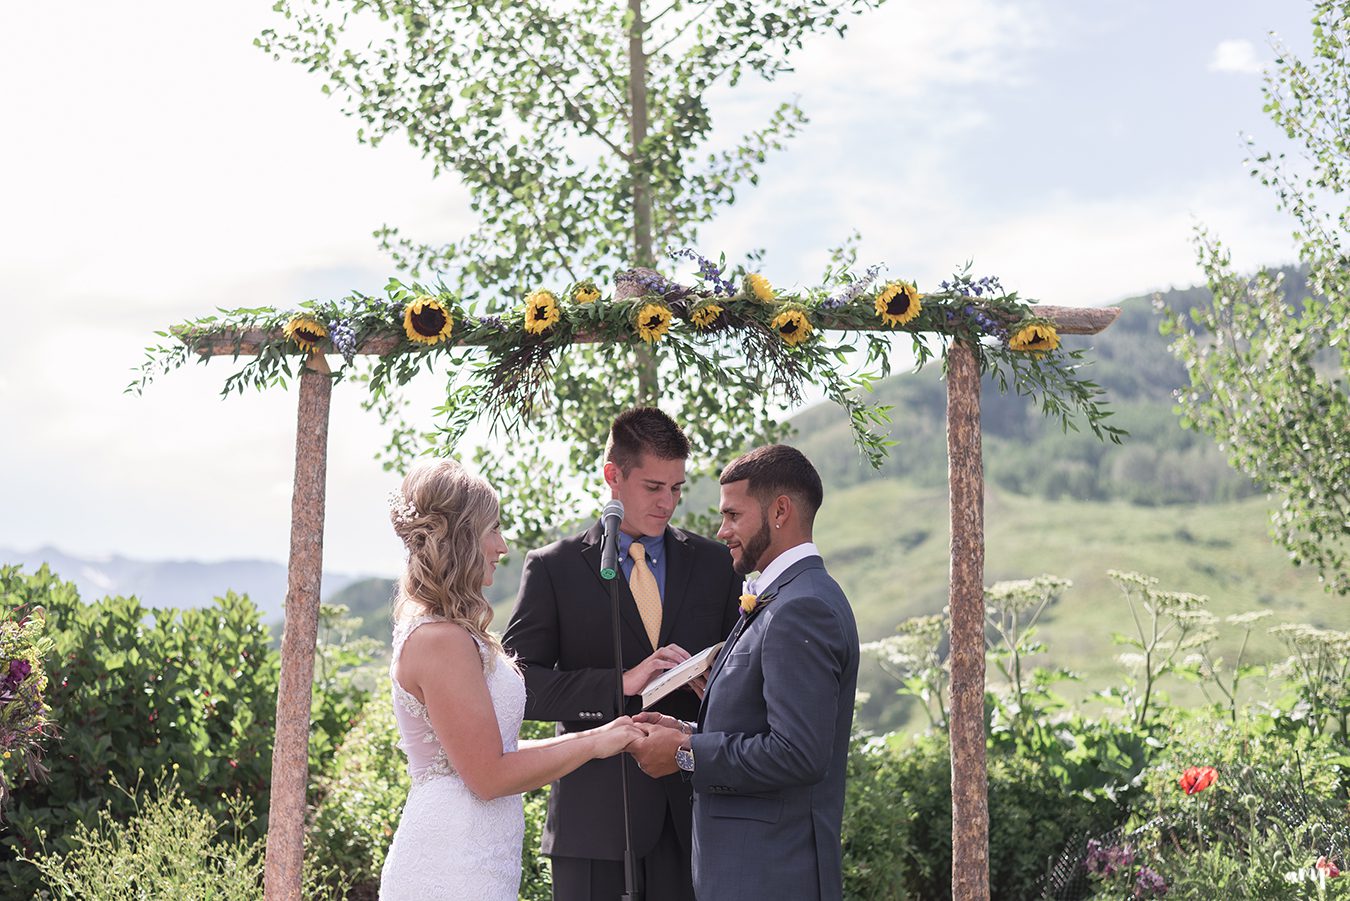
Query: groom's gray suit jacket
{"points": [[772, 746]]}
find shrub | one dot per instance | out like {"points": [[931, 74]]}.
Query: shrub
{"points": [[1226, 811], [898, 821], [360, 803], [25, 718], [136, 690], [169, 849]]}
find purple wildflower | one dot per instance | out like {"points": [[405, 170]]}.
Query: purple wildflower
{"points": [[1105, 860], [18, 671], [493, 322], [1149, 884]]}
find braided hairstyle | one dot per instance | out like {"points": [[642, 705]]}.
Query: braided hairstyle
{"points": [[441, 513]]}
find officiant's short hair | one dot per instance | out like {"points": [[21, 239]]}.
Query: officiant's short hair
{"points": [[778, 469], [644, 430]]}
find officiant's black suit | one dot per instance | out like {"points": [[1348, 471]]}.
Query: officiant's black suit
{"points": [[561, 633]]}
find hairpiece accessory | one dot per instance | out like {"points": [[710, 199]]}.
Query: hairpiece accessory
{"points": [[401, 508]]}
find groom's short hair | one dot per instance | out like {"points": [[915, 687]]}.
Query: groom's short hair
{"points": [[778, 469], [644, 430]]}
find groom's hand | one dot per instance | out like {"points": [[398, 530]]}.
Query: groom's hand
{"points": [[668, 657], [655, 754]]}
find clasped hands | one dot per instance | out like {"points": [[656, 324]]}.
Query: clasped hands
{"points": [[655, 750]]}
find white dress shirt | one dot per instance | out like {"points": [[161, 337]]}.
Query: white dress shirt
{"points": [[780, 565]]}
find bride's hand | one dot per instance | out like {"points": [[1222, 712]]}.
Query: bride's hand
{"points": [[614, 737]]}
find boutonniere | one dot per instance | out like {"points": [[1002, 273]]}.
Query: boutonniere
{"points": [[752, 602]]}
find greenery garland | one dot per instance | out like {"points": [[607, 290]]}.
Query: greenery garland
{"points": [[501, 365]]}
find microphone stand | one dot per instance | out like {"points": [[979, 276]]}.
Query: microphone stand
{"points": [[629, 862]]}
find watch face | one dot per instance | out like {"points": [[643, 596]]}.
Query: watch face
{"points": [[684, 759]]}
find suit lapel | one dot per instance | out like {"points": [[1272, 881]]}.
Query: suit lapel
{"points": [[628, 611], [743, 623]]}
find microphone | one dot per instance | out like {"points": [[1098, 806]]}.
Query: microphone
{"points": [[610, 517]]}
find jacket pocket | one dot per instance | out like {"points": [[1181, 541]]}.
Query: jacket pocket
{"points": [[737, 658], [744, 807]]}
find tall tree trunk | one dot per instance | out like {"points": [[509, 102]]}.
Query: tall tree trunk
{"points": [[648, 385]]}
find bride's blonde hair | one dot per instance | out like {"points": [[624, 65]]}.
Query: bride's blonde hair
{"points": [[441, 513]]}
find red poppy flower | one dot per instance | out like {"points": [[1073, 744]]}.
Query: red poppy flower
{"points": [[1328, 867], [1197, 778]]}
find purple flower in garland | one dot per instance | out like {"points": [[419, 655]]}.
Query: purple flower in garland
{"points": [[343, 336], [850, 292], [493, 322], [988, 286], [707, 270]]}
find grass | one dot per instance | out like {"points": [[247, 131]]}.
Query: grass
{"points": [[887, 544]]}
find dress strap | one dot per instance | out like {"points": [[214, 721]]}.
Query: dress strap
{"points": [[406, 627]]}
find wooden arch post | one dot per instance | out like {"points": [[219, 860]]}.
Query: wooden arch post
{"points": [[965, 475], [290, 756], [285, 861]]}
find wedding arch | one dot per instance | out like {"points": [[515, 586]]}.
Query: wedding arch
{"points": [[785, 338]]}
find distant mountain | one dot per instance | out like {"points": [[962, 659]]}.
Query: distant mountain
{"points": [[172, 583]]}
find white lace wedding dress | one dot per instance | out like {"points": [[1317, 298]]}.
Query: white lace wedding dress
{"points": [[449, 844]]}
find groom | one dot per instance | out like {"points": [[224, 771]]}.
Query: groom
{"points": [[768, 753]]}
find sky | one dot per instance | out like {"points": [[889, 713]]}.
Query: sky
{"points": [[155, 165]]}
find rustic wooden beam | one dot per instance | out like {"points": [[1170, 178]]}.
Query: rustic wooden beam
{"points": [[965, 473], [284, 867], [1068, 320]]}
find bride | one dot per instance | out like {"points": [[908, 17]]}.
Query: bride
{"points": [[459, 701]]}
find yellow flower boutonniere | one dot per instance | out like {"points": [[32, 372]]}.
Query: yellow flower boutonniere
{"points": [[748, 602]]}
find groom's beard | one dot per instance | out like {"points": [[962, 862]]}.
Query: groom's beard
{"points": [[753, 550]]}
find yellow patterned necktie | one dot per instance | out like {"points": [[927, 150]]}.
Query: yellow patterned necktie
{"points": [[648, 597]]}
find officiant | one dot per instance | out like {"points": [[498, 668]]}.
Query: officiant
{"points": [[678, 595]]}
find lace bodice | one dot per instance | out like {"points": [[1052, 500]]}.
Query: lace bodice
{"points": [[426, 757]]}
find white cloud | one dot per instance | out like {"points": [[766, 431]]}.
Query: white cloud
{"points": [[1236, 56]]}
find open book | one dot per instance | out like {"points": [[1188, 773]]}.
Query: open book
{"points": [[681, 675]]}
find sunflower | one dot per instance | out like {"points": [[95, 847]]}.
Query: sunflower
{"points": [[427, 321], [653, 321], [792, 326], [706, 315], [898, 303], [541, 312], [306, 331], [758, 287], [1035, 337], [585, 292]]}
